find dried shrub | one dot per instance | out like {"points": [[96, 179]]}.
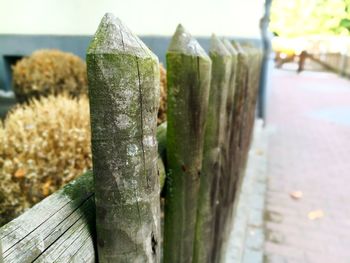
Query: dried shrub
{"points": [[48, 72], [43, 145], [163, 95]]}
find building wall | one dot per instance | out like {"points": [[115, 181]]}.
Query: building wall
{"points": [[144, 17], [28, 25]]}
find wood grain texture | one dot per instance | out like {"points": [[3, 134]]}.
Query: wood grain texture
{"points": [[212, 149], [188, 78], [123, 76], [251, 63], [254, 68], [228, 182], [49, 225]]}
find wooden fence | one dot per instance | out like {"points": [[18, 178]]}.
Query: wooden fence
{"points": [[113, 214], [335, 62]]}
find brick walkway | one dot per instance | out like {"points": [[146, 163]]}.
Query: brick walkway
{"points": [[309, 151]]}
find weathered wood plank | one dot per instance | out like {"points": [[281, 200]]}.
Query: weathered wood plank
{"points": [[212, 149], [231, 109], [255, 60], [123, 77], [30, 246], [11, 232], [230, 103], [188, 78], [28, 236], [238, 116], [229, 182], [70, 241], [246, 125]]}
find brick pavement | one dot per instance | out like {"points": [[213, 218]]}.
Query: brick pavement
{"points": [[309, 151]]}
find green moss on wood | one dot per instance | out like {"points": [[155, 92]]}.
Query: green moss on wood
{"points": [[188, 78], [123, 80], [213, 142]]}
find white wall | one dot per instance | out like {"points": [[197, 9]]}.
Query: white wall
{"points": [[144, 17]]}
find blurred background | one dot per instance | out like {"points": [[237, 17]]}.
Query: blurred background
{"points": [[69, 25], [304, 101]]}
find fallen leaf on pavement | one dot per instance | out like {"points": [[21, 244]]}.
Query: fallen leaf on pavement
{"points": [[296, 195], [315, 214]]}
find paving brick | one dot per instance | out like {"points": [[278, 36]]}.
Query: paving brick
{"points": [[284, 250], [308, 151]]}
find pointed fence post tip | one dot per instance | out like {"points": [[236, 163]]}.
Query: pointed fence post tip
{"points": [[183, 42], [229, 46], [217, 46], [113, 35]]}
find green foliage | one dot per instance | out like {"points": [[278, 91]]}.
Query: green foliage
{"points": [[313, 17]]}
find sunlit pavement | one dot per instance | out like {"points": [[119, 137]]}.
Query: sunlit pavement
{"points": [[308, 196]]}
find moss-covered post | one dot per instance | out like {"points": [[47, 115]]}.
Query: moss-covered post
{"points": [[230, 102], [212, 149], [229, 149], [123, 77], [188, 76], [237, 120], [255, 56], [228, 184], [236, 142], [225, 207]]}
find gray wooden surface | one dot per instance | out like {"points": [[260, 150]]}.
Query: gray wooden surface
{"points": [[123, 76], [212, 149], [58, 229]]}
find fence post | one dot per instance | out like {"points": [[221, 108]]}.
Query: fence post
{"points": [[188, 76], [237, 118], [230, 109], [212, 149], [229, 154], [231, 91], [123, 76], [254, 69], [228, 188]]}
